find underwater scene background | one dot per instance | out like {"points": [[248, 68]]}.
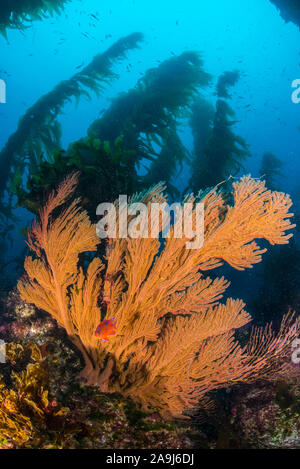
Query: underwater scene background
{"points": [[110, 97]]}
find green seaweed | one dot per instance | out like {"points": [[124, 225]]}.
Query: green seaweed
{"points": [[270, 168], [289, 10], [139, 125], [144, 114], [227, 80], [223, 153], [170, 159], [19, 14], [106, 170], [38, 131]]}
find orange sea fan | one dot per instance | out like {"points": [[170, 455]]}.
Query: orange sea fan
{"points": [[174, 341]]}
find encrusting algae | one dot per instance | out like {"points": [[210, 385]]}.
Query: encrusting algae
{"points": [[174, 341], [42, 407]]}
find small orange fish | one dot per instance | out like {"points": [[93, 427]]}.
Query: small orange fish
{"points": [[106, 329]]}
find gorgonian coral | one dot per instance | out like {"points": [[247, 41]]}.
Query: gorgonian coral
{"points": [[174, 340]]}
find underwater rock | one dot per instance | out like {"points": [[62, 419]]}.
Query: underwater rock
{"points": [[21, 321], [267, 414], [43, 405], [18, 308]]}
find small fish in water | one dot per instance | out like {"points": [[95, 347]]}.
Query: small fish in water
{"points": [[94, 16], [106, 329]]}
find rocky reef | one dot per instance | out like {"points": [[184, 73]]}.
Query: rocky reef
{"points": [[43, 405], [267, 415]]}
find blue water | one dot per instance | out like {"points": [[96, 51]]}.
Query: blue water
{"points": [[247, 35]]}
